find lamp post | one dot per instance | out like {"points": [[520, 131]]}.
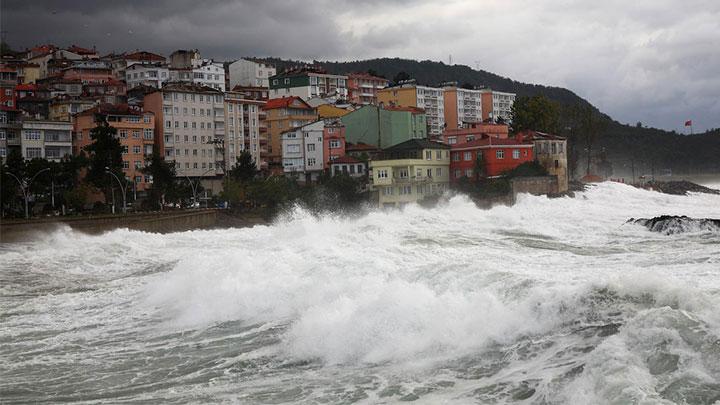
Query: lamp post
{"points": [[123, 188], [193, 185], [26, 189]]}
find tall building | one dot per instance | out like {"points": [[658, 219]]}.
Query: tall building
{"points": [[10, 129], [462, 107], [363, 88], [307, 83], [250, 73], [242, 129], [190, 127], [497, 105], [135, 131], [410, 172], [430, 99], [284, 114], [384, 127]]}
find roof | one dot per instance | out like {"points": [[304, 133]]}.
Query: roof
{"points": [[6, 108], [536, 135], [417, 144], [489, 142], [345, 160], [113, 109], [284, 102], [27, 87], [188, 87], [360, 147], [414, 110], [81, 51], [144, 56], [480, 128]]}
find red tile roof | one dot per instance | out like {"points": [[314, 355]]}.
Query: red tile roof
{"points": [[345, 160], [284, 102], [27, 87], [81, 51], [143, 55], [490, 142]]}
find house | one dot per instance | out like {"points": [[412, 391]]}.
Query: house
{"points": [[284, 114], [550, 152], [147, 74], [363, 88], [247, 72], [409, 94], [410, 172], [385, 126], [309, 150], [490, 156], [474, 131], [348, 165], [308, 82]]}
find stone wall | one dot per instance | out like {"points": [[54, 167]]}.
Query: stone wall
{"points": [[539, 185]]}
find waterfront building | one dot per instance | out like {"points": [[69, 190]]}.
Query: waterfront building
{"points": [[242, 129], [410, 172], [462, 107], [385, 126], [309, 150], [488, 157], [307, 83], [429, 99], [10, 130], [247, 72], [550, 152], [190, 128], [363, 88], [348, 165], [135, 131]]}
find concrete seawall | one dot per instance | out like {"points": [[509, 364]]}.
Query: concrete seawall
{"points": [[159, 222]]}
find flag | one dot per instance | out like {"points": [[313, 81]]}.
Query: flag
{"points": [[688, 123]]}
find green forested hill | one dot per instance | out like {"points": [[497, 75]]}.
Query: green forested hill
{"points": [[648, 149]]}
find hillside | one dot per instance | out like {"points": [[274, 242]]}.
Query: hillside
{"points": [[648, 149]]}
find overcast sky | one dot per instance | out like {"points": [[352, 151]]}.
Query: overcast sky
{"points": [[654, 61]]}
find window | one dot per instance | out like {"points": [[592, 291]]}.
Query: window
{"points": [[195, 152], [429, 173], [185, 124], [168, 124], [32, 135], [146, 119], [293, 148], [438, 171], [467, 156], [500, 154], [403, 173], [136, 134], [419, 189], [123, 133], [138, 164], [452, 140], [469, 138], [382, 174], [334, 143], [553, 147], [428, 155], [468, 172], [457, 173], [195, 166], [557, 164], [177, 124], [133, 119], [311, 147], [124, 150], [2, 135], [388, 191], [126, 164], [438, 154], [516, 154], [404, 190], [311, 162], [3, 152], [194, 138], [136, 149], [148, 133]]}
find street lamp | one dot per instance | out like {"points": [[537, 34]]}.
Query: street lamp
{"points": [[26, 188], [123, 188], [193, 185]]}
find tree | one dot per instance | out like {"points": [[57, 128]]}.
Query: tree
{"points": [[105, 152], [590, 125], [373, 72], [401, 76], [163, 180], [244, 168], [536, 113]]}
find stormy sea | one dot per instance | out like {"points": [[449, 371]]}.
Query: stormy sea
{"points": [[548, 301]]}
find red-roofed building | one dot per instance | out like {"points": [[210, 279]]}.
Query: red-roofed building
{"points": [[475, 131], [284, 114], [493, 156], [348, 165], [363, 87], [362, 151], [84, 52]]}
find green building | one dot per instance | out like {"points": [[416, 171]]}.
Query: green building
{"points": [[396, 125]]}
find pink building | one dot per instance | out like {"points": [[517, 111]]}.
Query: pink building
{"points": [[333, 141]]}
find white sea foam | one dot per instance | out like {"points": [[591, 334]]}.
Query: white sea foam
{"points": [[551, 299]]}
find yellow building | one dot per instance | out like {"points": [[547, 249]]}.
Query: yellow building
{"points": [[410, 172], [284, 114], [430, 99], [63, 109], [331, 111]]}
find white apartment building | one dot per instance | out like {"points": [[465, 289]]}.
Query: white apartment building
{"points": [[190, 123], [242, 129], [467, 104], [432, 100], [245, 72], [147, 74], [302, 151], [208, 74], [501, 105], [50, 140]]}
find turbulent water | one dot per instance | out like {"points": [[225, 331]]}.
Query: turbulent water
{"points": [[548, 301]]}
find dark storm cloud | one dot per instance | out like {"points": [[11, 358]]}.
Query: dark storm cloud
{"points": [[654, 61]]}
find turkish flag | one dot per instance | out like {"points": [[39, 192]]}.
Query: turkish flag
{"points": [[688, 123]]}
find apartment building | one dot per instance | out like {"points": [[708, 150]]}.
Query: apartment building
{"points": [[284, 114], [146, 74], [135, 131], [497, 105], [462, 107], [430, 99], [410, 172], [551, 152], [475, 131], [10, 130], [250, 73], [307, 83], [46, 139], [190, 127], [302, 151], [363, 88], [242, 129]]}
